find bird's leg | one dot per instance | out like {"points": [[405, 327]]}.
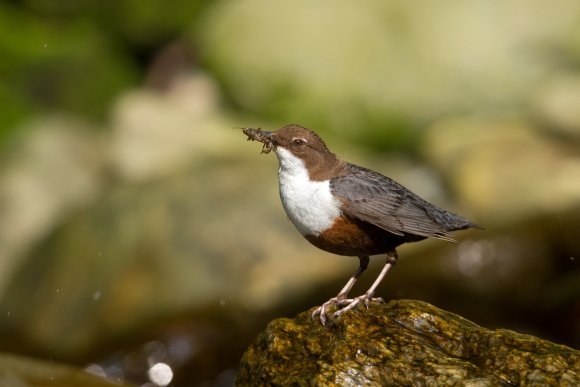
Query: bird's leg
{"points": [[341, 298], [343, 294], [368, 296]]}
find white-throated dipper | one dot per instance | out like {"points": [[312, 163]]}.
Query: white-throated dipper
{"points": [[349, 210]]}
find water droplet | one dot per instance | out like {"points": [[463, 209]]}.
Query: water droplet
{"points": [[160, 374]]}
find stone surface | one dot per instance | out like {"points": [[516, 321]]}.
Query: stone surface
{"points": [[558, 104], [413, 65], [53, 169], [18, 371], [403, 343], [505, 168], [158, 133]]}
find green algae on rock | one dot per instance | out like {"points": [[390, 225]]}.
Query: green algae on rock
{"points": [[402, 343]]}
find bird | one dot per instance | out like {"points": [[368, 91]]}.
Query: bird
{"points": [[349, 210]]}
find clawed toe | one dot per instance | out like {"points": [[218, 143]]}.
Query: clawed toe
{"points": [[322, 310], [364, 299], [344, 304]]}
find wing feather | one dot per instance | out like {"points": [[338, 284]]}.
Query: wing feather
{"points": [[377, 199]]}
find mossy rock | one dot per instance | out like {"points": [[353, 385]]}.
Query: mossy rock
{"points": [[402, 343], [20, 371]]}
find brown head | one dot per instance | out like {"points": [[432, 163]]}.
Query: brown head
{"points": [[303, 144]]}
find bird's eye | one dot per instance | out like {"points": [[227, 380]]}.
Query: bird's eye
{"points": [[298, 142]]}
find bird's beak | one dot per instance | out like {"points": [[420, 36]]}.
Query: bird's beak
{"points": [[262, 136]]}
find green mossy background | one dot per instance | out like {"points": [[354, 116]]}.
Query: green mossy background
{"points": [[137, 225]]}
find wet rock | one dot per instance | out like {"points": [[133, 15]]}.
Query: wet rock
{"points": [[18, 371], [558, 104], [402, 343], [412, 66], [54, 168], [158, 133], [505, 168]]}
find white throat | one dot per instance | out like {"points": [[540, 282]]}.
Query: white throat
{"points": [[309, 204]]}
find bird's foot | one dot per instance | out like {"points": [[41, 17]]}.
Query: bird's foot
{"points": [[343, 304], [322, 310], [366, 299]]}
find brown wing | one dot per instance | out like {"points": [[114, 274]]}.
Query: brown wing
{"points": [[377, 199]]}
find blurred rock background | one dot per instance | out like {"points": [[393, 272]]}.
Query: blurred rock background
{"points": [[138, 227]]}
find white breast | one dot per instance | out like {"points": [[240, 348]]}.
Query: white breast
{"points": [[309, 204]]}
